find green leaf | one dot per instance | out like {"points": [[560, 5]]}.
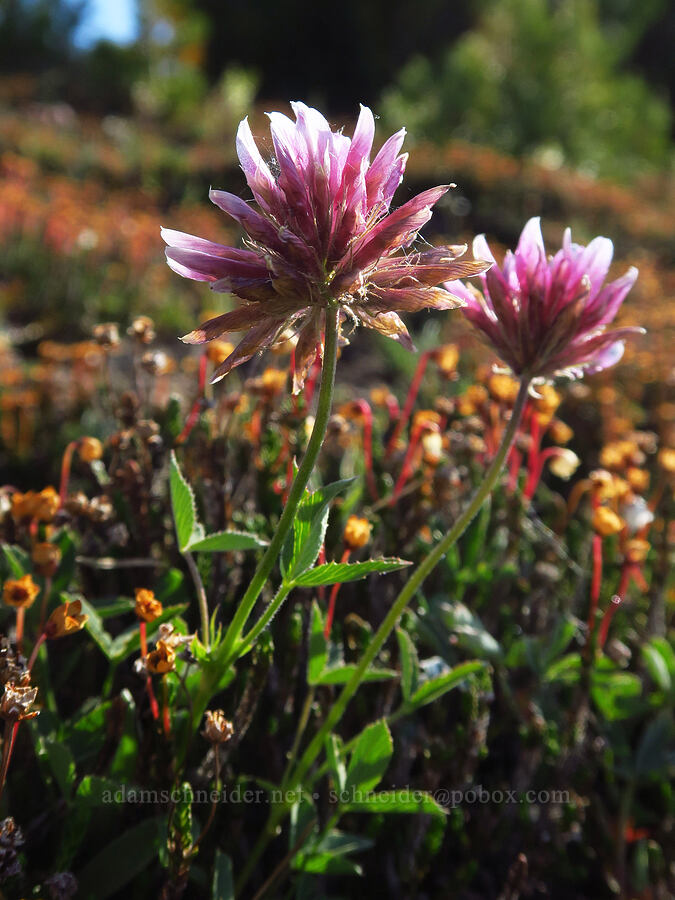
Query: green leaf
{"points": [[60, 761], [340, 573], [655, 751], [434, 688], [370, 758], [94, 790], [616, 694], [224, 541], [566, 670], [17, 560], [410, 666], [468, 631], [118, 608], [334, 757], [657, 666], [401, 801], [94, 626], [325, 864], [222, 887], [121, 860], [188, 528], [309, 529], [343, 674], [318, 646]]}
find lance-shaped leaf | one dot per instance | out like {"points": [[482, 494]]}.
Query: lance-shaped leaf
{"points": [[340, 573], [188, 527]]}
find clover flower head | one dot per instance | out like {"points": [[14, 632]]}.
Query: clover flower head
{"points": [[548, 316], [322, 235]]}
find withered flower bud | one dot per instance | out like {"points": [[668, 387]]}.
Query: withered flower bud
{"points": [[142, 329], [157, 362], [107, 335], [12, 665], [11, 841], [101, 509], [77, 504], [217, 729], [16, 702]]}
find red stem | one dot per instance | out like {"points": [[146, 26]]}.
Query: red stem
{"points": [[193, 415], [40, 641], [596, 582], [407, 461], [409, 401], [333, 597], [367, 413], [65, 469]]}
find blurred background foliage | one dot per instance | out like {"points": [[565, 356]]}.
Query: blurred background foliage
{"points": [[587, 83]]}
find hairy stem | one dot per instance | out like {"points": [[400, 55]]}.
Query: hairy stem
{"points": [[271, 555]]}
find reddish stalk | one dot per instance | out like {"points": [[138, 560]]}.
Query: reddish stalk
{"points": [[11, 729], [333, 597], [534, 463], [409, 401], [193, 415], [66, 464], [20, 619], [166, 711], [40, 641], [596, 582], [154, 706], [45, 597], [515, 462], [367, 414], [608, 616], [406, 468]]}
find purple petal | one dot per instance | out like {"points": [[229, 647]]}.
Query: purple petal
{"points": [[389, 324], [257, 338], [236, 320], [258, 176], [398, 229], [413, 299], [205, 267], [383, 167], [603, 308]]}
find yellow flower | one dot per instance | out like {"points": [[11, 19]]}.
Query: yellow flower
{"points": [[357, 532], [90, 449], [636, 550], [638, 479], [66, 619], [447, 358], [273, 381], [20, 592], [559, 432], [666, 460], [147, 608], [218, 351], [47, 505], [546, 403], [426, 420], [475, 397], [503, 388], [46, 558], [161, 660], [606, 522]]}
